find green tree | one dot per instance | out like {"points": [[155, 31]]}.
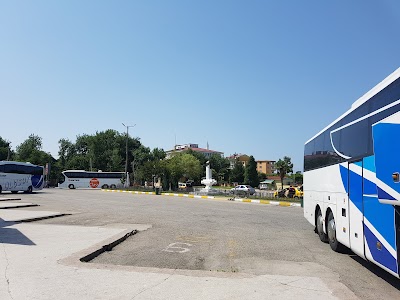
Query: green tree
{"points": [[261, 176], [183, 166], [297, 177], [237, 173], [200, 156], [250, 173], [220, 167], [5, 150], [284, 167], [30, 150]]}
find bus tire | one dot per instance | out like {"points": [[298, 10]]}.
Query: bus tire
{"points": [[113, 186], [29, 190], [71, 186], [14, 192], [104, 186], [320, 227], [1, 189], [331, 228]]}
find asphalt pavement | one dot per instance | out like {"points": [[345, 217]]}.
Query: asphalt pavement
{"points": [[184, 249]]}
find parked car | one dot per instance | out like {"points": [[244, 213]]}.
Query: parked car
{"points": [[181, 185], [291, 192], [243, 189], [280, 193]]}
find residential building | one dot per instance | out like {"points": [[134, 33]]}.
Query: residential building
{"points": [[266, 166], [242, 158], [194, 147]]}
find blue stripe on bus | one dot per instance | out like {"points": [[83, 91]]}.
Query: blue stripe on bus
{"points": [[381, 216], [37, 181], [369, 163], [381, 256], [383, 195], [344, 173]]}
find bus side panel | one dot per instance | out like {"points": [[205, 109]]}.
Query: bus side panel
{"points": [[324, 187], [379, 223], [356, 208], [15, 182]]}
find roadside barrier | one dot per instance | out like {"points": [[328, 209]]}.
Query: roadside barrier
{"points": [[270, 202]]}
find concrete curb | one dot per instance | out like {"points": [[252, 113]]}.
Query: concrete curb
{"points": [[278, 203], [162, 194]]}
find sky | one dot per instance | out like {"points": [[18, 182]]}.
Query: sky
{"points": [[253, 77]]}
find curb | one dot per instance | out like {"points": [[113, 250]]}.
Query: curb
{"points": [[162, 194], [278, 203]]}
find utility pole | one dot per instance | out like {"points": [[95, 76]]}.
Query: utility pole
{"points": [[126, 152], [8, 151]]}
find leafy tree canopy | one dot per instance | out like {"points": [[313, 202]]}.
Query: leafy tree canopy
{"points": [[250, 173], [284, 166]]}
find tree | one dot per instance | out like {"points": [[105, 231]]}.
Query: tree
{"points": [[284, 167], [250, 173], [220, 167], [261, 176], [237, 173], [297, 177], [5, 150], [183, 166], [30, 150]]}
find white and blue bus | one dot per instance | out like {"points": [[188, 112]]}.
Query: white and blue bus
{"points": [[352, 181], [73, 179], [19, 176]]}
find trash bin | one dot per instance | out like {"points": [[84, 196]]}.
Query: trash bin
{"points": [[158, 191]]}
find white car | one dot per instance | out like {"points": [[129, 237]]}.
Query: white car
{"points": [[243, 189]]}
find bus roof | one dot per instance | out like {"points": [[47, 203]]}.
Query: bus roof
{"points": [[8, 162], [83, 171], [372, 92]]}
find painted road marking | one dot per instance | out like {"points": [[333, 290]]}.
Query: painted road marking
{"points": [[175, 248]]}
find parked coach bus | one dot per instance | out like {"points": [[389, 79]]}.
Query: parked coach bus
{"points": [[73, 179], [19, 176], [352, 178]]}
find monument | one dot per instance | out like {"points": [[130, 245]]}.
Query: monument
{"points": [[208, 181]]}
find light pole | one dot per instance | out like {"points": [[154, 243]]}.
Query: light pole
{"points": [[126, 152]]}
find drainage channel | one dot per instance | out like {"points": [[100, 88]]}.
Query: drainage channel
{"points": [[107, 247], [42, 218], [9, 199]]}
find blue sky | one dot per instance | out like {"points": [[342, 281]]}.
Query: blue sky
{"points": [[254, 77]]}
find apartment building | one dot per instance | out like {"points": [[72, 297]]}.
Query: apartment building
{"points": [[266, 166]]}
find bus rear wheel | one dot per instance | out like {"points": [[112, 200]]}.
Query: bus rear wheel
{"points": [[320, 227], [333, 242], [14, 192], [104, 186], [1, 189], [71, 186], [29, 190]]}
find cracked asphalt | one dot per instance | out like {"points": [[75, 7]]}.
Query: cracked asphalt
{"points": [[214, 236]]}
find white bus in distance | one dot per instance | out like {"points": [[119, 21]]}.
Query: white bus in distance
{"points": [[19, 176], [352, 178], [84, 179]]}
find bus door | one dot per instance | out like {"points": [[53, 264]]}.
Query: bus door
{"points": [[356, 207], [383, 227]]}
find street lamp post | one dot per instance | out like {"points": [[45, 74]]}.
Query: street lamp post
{"points": [[126, 152]]}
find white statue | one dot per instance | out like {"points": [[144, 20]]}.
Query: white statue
{"points": [[209, 181]]}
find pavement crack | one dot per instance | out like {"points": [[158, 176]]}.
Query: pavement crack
{"points": [[156, 285], [299, 287], [5, 272]]}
